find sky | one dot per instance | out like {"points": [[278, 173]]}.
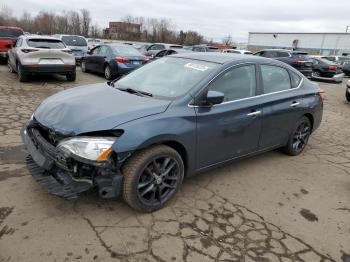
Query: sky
{"points": [[213, 19]]}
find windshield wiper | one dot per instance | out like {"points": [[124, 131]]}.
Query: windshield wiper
{"points": [[134, 91]]}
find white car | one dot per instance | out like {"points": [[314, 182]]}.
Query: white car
{"points": [[92, 42], [32, 54], [237, 51]]}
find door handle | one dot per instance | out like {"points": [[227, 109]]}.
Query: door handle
{"points": [[254, 113], [294, 104]]}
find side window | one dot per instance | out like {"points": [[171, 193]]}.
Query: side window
{"points": [[96, 51], [282, 54], [262, 53], [295, 78], [274, 79], [236, 83], [161, 53], [103, 50]]}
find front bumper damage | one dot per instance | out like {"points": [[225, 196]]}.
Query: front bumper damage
{"points": [[64, 176]]}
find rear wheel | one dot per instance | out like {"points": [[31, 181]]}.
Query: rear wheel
{"points": [[347, 95], [108, 72], [22, 76], [71, 76], [299, 138], [152, 177], [9, 66], [316, 73], [83, 67]]}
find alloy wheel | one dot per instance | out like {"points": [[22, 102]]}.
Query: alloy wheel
{"points": [[301, 136], [158, 180], [108, 72]]}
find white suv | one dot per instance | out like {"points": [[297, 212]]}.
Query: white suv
{"points": [[32, 54]]}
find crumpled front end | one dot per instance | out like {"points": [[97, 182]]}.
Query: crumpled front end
{"points": [[61, 173]]}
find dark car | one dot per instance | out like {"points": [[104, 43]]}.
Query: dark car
{"points": [[204, 48], [8, 35], [323, 68], [113, 60], [166, 52], [298, 60], [139, 136], [347, 92], [346, 67]]}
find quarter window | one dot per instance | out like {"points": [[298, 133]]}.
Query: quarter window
{"points": [[96, 51], [275, 79], [236, 83], [295, 78]]}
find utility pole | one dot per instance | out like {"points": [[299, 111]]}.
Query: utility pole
{"points": [[347, 28]]}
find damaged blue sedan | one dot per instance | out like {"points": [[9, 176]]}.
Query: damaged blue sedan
{"points": [[141, 135]]}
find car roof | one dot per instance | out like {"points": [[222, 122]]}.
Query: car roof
{"points": [[222, 58]]}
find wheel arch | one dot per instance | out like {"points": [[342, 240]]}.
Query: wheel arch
{"points": [[311, 118]]}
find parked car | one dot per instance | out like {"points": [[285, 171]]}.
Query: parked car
{"points": [[298, 60], [180, 115], [77, 44], [8, 34], [237, 51], [346, 67], [325, 69], [113, 60], [167, 52], [337, 59], [203, 48], [347, 92], [155, 48], [34, 54], [92, 42]]}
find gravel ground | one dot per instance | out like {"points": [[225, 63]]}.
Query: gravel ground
{"points": [[267, 208]]}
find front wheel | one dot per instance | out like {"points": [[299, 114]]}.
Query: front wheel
{"points": [[152, 177], [83, 67], [299, 137]]}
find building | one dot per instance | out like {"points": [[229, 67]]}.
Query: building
{"points": [[123, 30], [312, 43]]}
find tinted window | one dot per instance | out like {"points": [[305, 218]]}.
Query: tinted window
{"points": [[103, 50], [95, 51], [161, 53], [46, 43], [126, 50], [10, 33], [237, 83], [295, 78], [330, 58], [167, 77], [275, 79], [157, 47], [74, 40]]}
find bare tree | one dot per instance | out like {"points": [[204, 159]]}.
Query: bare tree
{"points": [[227, 40], [85, 21]]}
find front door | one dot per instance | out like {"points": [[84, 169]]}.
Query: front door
{"points": [[232, 128]]}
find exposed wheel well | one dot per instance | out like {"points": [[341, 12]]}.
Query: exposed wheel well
{"points": [[311, 118]]}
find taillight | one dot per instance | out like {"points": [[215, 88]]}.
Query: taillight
{"points": [[322, 94], [121, 59], [67, 51], [332, 67], [28, 50], [145, 59], [297, 62]]}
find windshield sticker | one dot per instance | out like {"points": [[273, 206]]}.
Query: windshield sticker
{"points": [[197, 67]]}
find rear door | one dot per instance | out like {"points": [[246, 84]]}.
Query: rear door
{"points": [[282, 104], [232, 128]]}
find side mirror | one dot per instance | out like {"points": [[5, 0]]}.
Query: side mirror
{"points": [[214, 98], [89, 52]]}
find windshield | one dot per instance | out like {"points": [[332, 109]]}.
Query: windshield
{"points": [[11, 33], [167, 77], [74, 41], [126, 50], [46, 43]]}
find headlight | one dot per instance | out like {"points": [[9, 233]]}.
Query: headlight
{"points": [[91, 148]]}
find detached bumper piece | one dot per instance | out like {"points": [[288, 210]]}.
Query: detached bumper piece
{"points": [[58, 183]]}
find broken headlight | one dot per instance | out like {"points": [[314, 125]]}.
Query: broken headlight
{"points": [[91, 148]]}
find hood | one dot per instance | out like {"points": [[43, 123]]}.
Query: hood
{"points": [[94, 108]]}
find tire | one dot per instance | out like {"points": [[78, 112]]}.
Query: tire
{"points": [[22, 76], [108, 72], [299, 137], [148, 184], [316, 73], [83, 67], [347, 95], [10, 68], [71, 76]]}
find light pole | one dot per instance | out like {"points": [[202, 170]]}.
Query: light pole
{"points": [[347, 28]]}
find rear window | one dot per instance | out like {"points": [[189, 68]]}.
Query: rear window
{"points": [[126, 50], [176, 46], [74, 40], [46, 43], [11, 33]]}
